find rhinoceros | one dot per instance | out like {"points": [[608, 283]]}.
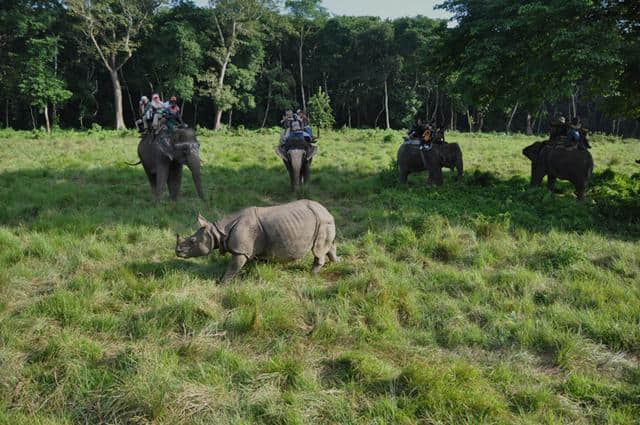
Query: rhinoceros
{"points": [[282, 232]]}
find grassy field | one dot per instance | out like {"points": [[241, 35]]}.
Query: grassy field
{"points": [[478, 302]]}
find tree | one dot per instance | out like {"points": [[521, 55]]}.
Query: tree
{"points": [[236, 22], [383, 60], [39, 84], [172, 72], [113, 26], [304, 11], [320, 111]]}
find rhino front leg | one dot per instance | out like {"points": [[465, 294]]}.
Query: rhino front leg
{"points": [[317, 265], [237, 262]]}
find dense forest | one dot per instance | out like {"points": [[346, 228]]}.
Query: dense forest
{"points": [[498, 65]]}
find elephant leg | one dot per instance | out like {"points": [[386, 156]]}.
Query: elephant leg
{"points": [[162, 174], [237, 262], [581, 188], [333, 255], [317, 265], [287, 165], [193, 162], [460, 167], [151, 177], [404, 174], [536, 175], [175, 180], [435, 176]]}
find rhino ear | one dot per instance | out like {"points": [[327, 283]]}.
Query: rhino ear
{"points": [[203, 221]]}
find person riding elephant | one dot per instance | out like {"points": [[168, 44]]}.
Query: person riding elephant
{"points": [[306, 128], [155, 111], [573, 133], [141, 123], [557, 161], [172, 113]]}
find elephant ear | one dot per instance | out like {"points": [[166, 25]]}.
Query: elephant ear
{"points": [[280, 153], [532, 151], [203, 222], [311, 152]]}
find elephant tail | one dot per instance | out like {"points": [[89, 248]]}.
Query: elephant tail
{"points": [[133, 165]]}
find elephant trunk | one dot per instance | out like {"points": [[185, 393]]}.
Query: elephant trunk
{"points": [[193, 162], [297, 156]]}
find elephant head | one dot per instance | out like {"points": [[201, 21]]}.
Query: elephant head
{"points": [[297, 159], [186, 150], [533, 151], [201, 243]]}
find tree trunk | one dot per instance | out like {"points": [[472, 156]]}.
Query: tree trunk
{"points": [[386, 103], [266, 110], [539, 122], [469, 121], [515, 108], [117, 99], [300, 45], [451, 125], [54, 109], [426, 104], [529, 128], [349, 125], [218, 123], [33, 119], [230, 116], [573, 103], [134, 114], [46, 118], [6, 112], [223, 71], [195, 113], [435, 110], [480, 121], [375, 124]]}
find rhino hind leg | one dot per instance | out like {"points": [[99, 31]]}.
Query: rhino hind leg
{"points": [[333, 255], [237, 262]]}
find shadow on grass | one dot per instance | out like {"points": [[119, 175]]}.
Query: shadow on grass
{"points": [[83, 201], [159, 270]]}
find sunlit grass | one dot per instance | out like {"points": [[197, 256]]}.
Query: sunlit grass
{"points": [[483, 301]]}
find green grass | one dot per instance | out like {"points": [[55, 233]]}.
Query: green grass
{"points": [[483, 301]]}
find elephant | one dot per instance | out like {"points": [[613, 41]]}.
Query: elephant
{"points": [[282, 232], [297, 156], [414, 157], [557, 161], [163, 156]]}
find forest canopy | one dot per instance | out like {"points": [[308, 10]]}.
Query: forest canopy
{"points": [[498, 65]]}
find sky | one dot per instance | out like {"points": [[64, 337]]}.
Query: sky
{"points": [[384, 8]]}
